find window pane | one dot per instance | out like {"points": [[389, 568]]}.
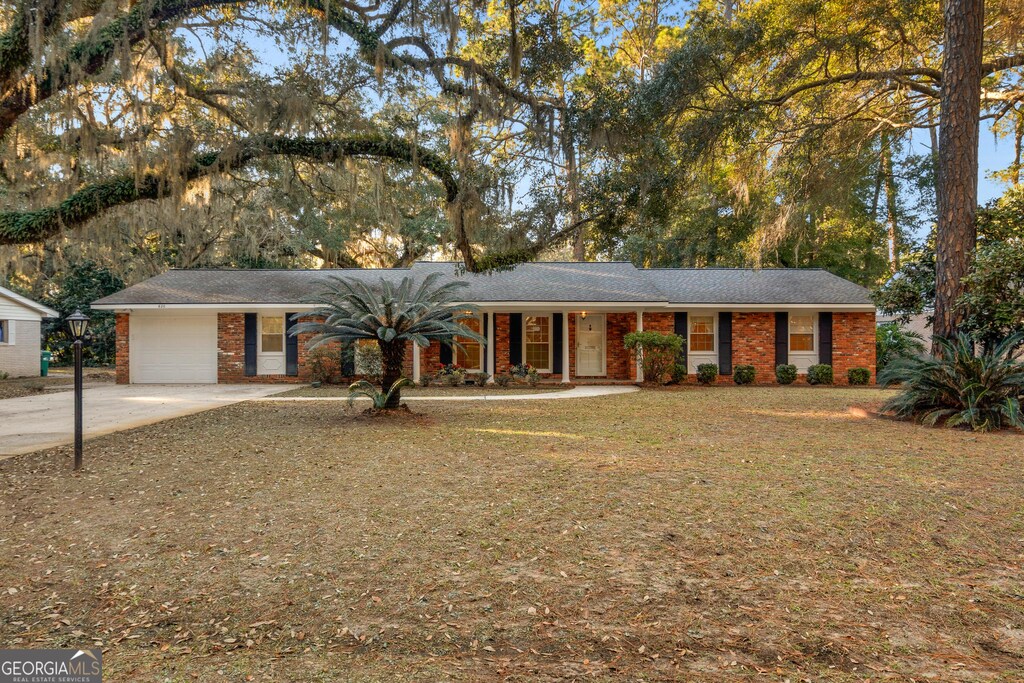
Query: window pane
{"points": [[537, 356], [801, 333], [272, 333], [702, 333], [535, 329], [470, 358], [3, 331]]}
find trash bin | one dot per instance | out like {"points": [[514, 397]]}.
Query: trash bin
{"points": [[44, 363]]}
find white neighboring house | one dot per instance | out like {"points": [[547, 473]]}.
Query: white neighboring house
{"points": [[20, 334]]}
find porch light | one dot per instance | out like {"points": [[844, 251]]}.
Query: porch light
{"points": [[583, 315]]}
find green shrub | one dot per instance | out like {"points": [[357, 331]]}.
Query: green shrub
{"points": [[820, 373], [785, 374], [744, 374], [962, 389], [657, 352], [324, 365], [707, 373], [859, 376], [370, 361], [425, 380], [4, 375], [679, 373], [480, 378], [893, 342], [503, 379]]}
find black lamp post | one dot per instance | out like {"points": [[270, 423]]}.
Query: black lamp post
{"points": [[78, 324]]}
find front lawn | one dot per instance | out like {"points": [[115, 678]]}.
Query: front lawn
{"points": [[757, 534], [437, 389]]}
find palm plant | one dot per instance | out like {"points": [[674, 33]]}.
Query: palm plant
{"points": [[379, 397], [350, 310], [982, 391]]}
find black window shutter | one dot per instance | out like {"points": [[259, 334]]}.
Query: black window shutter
{"points": [[680, 329], [725, 343], [446, 352], [556, 343], [781, 338], [515, 338], [348, 359], [250, 344], [291, 348], [487, 350], [825, 338]]}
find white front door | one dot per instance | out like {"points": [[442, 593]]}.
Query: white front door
{"points": [[590, 357]]}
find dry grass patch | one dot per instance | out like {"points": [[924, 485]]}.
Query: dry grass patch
{"points": [[732, 534]]}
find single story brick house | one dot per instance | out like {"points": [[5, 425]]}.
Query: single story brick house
{"points": [[568, 320], [20, 333]]}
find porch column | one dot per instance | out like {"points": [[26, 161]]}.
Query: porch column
{"points": [[565, 347], [415, 362], [489, 351], [639, 361]]}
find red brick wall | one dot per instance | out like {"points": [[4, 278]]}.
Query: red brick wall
{"points": [[122, 365], [853, 344], [753, 343], [231, 347]]}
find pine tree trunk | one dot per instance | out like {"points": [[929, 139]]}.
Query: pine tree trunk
{"points": [[957, 190], [890, 204], [392, 358]]}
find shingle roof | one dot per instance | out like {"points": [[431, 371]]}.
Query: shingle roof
{"points": [[533, 282], [764, 286]]}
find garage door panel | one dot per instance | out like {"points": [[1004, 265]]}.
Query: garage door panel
{"points": [[173, 349]]}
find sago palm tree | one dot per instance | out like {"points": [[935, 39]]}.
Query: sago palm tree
{"points": [[350, 310]]}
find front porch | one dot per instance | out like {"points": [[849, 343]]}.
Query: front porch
{"points": [[563, 345]]}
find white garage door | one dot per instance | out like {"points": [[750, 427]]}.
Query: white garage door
{"points": [[173, 349]]}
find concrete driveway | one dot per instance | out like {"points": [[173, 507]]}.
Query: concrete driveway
{"points": [[33, 423]]}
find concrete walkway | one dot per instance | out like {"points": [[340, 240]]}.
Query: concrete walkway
{"points": [[33, 423], [575, 392]]}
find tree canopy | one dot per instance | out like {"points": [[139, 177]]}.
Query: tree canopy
{"points": [[184, 133]]}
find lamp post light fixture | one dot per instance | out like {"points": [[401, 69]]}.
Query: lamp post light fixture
{"points": [[78, 324]]}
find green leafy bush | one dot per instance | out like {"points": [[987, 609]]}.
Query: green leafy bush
{"points": [[369, 361], [657, 352], [503, 379], [480, 378], [426, 380], [892, 342], [785, 374], [959, 387], [679, 372], [820, 373], [744, 374], [859, 376], [324, 365], [707, 373]]}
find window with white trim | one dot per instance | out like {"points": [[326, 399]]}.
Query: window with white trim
{"points": [[271, 333], [470, 356], [702, 334], [801, 333], [537, 341], [6, 332]]}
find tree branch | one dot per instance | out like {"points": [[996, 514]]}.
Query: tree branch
{"points": [[23, 227]]}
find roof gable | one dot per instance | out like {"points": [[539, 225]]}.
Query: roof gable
{"points": [[29, 304]]}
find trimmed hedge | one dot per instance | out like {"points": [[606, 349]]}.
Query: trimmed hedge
{"points": [[785, 374], [859, 376], [819, 374], [707, 373], [744, 374]]}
